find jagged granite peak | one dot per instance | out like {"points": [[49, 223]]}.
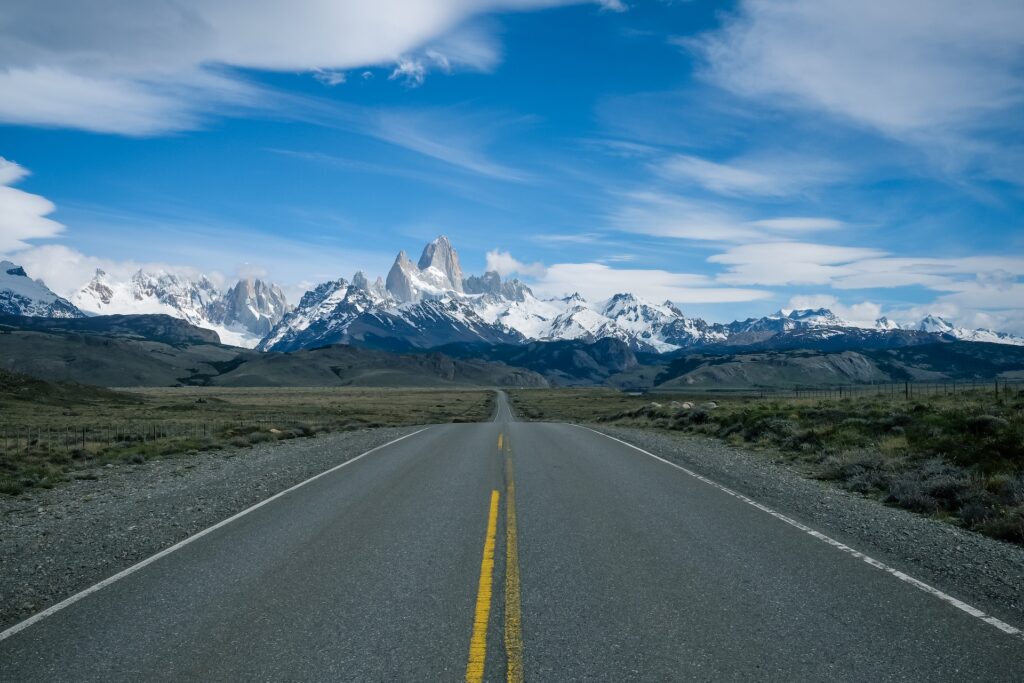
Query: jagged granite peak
{"points": [[491, 283], [253, 304], [401, 279], [21, 295], [488, 283], [440, 254], [241, 316], [338, 313], [884, 323], [376, 288], [515, 290]]}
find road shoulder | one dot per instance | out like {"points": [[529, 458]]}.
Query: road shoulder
{"points": [[979, 570], [56, 542]]}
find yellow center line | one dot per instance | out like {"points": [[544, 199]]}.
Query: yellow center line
{"points": [[500, 435], [513, 611], [478, 642]]}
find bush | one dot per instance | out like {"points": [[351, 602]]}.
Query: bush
{"points": [[935, 485], [1007, 526], [985, 425]]}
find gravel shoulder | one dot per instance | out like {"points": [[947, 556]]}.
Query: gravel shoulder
{"points": [[56, 542], [986, 573]]}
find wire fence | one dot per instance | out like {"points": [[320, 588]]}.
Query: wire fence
{"points": [[999, 389]]}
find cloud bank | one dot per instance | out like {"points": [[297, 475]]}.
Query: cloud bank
{"points": [[145, 67]]}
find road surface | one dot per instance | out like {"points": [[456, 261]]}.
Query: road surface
{"points": [[510, 551]]}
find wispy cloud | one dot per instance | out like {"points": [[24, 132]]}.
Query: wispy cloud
{"points": [[778, 176], [970, 284], [448, 135], [597, 281], [663, 215], [918, 66]]}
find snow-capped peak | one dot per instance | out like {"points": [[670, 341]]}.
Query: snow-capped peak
{"points": [[21, 295], [438, 274], [241, 316], [939, 325], [934, 324]]}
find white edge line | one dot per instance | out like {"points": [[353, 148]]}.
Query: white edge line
{"points": [[921, 585], [181, 544]]}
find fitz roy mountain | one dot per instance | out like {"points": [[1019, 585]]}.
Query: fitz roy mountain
{"points": [[241, 316], [430, 303]]}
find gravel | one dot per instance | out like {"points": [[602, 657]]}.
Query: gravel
{"points": [[983, 572], [56, 542]]}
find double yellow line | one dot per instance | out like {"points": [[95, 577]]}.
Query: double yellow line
{"points": [[513, 609]]}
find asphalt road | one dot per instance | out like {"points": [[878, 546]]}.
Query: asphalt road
{"points": [[410, 564]]}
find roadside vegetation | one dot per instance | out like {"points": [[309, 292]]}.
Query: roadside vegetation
{"points": [[957, 457], [50, 432]]}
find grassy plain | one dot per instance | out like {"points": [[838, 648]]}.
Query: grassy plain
{"points": [[957, 457], [50, 432]]}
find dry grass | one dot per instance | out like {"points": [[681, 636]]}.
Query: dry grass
{"points": [[50, 432]]}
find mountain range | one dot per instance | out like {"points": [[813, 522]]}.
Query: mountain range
{"points": [[241, 316], [431, 303]]}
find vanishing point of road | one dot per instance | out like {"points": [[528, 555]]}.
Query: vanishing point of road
{"points": [[511, 551]]}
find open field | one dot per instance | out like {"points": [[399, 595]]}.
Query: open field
{"points": [[51, 431], [957, 457]]}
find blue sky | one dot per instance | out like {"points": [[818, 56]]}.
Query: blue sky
{"points": [[733, 157]]}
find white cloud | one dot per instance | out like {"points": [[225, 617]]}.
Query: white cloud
{"points": [[411, 71], [798, 224], [900, 67], [660, 215], [663, 215], [721, 178], [330, 77], [597, 281], [143, 67], [789, 263], [505, 264], [23, 216], [775, 177], [843, 267]]}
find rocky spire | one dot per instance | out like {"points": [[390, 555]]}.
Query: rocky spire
{"points": [[441, 254], [400, 278]]}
